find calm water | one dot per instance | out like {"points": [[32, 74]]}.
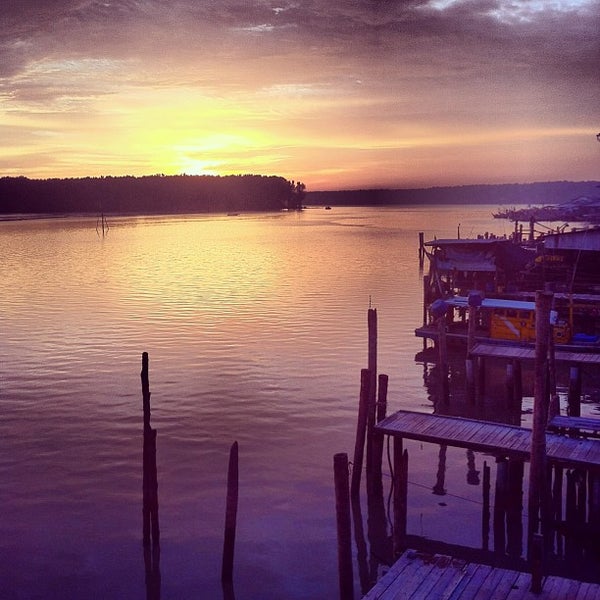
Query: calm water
{"points": [[256, 330]]}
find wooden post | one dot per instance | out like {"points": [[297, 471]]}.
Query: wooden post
{"points": [[518, 377], [421, 249], [470, 380], [425, 299], [537, 562], [359, 446], [344, 526], [485, 513], [470, 364], [480, 374], [400, 463], [514, 508], [362, 558], [230, 514], [500, 497], [510, 386], [557, 507], [471, 328], [443, 359], [378, 438], [537, 500], [150, 525], [439, 489], [145, 390], [574, 396], [372, 400]]}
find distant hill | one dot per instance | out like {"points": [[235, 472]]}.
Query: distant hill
{"points": [[155, 194], [552, 192]]}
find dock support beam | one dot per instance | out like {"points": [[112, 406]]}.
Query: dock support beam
{"points": [[400, 496], [538, 501], [574, 398], [344, 526]]}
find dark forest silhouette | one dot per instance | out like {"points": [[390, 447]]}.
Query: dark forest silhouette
{"points": [[155, 194], [548, 192]]}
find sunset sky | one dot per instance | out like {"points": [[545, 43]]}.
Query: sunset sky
{"points": [[337, 94]]}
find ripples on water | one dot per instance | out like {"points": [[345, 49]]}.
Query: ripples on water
{"points": [[256, 330]]}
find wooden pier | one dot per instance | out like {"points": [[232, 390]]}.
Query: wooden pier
{"points": [[423, 576], [495, 350], [493, 438]]}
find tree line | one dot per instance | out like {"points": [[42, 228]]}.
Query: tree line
{"points": [[153, 194]]}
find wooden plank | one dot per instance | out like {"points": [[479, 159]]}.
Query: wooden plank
{"points": [[396, 572], [505, 585], [520, 589], [493, 438], [423, 576], [464, 586], [442, 570], [407, 585], [497, 579], [448, 580]]}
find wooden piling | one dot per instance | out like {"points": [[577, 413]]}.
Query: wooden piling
{"points": [[372, 397], [145, 390], [510, 386], [426, 299], [538, 501], [514, 509], [470, 364], [537, 562], [378, 438], [443, 359], [230, 514], [485, 513], [150, 524], [359, 445], [500, 502], [344, 526], [574, 395], [362, 558], [470, 380], [518, 379], [439, 488], [571, 546], [400, 462], [480, 376]]}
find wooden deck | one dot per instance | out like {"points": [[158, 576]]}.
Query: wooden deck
{"points": [[571, 353], [422, 576], [492, 438], [526, 353]]}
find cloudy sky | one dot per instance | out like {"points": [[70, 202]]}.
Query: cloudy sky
{"points": [[336, 93]]}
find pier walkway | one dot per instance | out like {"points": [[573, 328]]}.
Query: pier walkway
{"points": [[488, 350], [423, 576], [493, 438]]}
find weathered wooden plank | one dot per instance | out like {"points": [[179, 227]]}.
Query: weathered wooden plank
{"points": [[397, 570], [506, 585], [497, 579], [520, 589], [410, 581], [468, 581], [493, 438], [442, 571], [448, 581], [422, 576]]}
